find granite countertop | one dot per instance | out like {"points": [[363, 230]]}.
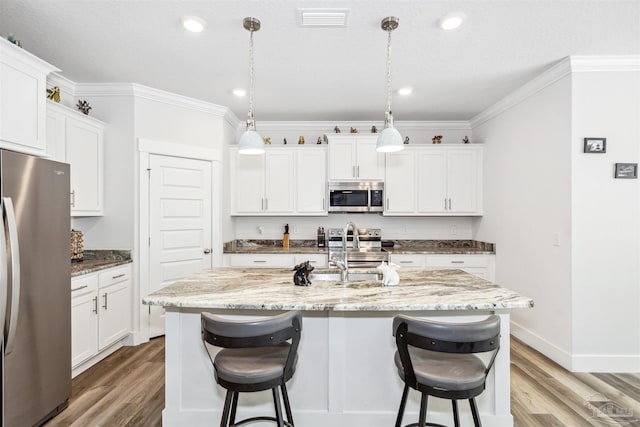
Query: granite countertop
{"points": [[273, 289], [96, 260], [272, 247]]}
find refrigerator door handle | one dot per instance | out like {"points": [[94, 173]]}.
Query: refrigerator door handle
{"points": [[4, 280], [14, 249]]}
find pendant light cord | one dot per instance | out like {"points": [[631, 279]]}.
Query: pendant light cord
{"points": [[251, 72], [389, 69]]}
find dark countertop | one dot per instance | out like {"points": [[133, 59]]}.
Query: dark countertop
{"points": [[96, 260]]}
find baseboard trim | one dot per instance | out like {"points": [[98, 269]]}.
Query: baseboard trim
{"points": [[552, 351]]}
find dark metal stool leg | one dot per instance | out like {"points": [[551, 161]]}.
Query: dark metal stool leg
{"points": [[234, 407], [423, 411], [287, 407], [276, 403], [474, 412], [225, 411], [456, 418], [403, 402]]}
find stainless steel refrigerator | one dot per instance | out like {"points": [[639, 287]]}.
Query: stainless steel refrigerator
{"points": [[35, 289]]}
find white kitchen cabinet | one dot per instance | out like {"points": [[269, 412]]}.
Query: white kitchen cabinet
{"points": [[311, 181], [316, 260], [287, 181], [353, 157], [77, 139], [401, 182], [23, 80], [481, 265], [261, 260], [100, 313], [434, 180], [262, 184]]}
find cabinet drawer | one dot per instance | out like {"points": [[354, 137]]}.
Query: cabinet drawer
{"points": [[84, 284], [316, 260], [408, 260], [457, 261], [262, 260], [115, 275]]}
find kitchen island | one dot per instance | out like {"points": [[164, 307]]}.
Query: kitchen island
{"points": [[345, 375]]}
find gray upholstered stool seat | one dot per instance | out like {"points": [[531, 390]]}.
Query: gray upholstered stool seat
{"points": [[445, 370], [442, 360], [256, 355]]}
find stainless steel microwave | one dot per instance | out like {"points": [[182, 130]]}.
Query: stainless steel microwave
{"points": [[356, 196]]}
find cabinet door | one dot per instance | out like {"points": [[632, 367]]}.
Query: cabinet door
{"points": [[84, 325], [462, 177], [56, 135], [115, 313], [408, 260], [247, 184], [311, 182], [432, 181], [261, 260], [370, 163], [400, 183], [84, 154], [342, 160], [279, 181]]}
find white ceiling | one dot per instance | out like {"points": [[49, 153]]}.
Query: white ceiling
{"points": [[323, 73]]}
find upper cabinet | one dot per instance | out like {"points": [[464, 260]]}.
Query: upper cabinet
{"points": [[78, 140], [283, 181], [434, 180], [23, 96], [353, 157]]}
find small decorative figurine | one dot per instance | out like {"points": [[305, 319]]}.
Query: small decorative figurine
{"points": [[465, 140], [354, 130], [301, 275], [267, 140], [374, 129], [301, 140], [390, 276], [12, 39], [319, 141], [406, 139], [437, 139], [83, 106], [54, 93], [337, 129], [285, 141]]}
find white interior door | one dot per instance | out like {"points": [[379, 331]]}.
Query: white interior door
{"points": [[179, 224]]}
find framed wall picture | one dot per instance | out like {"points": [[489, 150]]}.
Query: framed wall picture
{"points": [[595, 145], [626, 170]]}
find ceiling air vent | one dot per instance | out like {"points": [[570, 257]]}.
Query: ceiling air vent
{"points": [[321, 17]]}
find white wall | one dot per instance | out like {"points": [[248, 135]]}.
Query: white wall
{"points": [[605, 222], [527, 193]]}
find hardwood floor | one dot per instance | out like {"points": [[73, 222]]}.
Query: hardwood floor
{"points": [[127, 389]]}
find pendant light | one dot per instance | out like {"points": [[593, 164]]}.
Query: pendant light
{"points": [[389, 139], [251, 142]]}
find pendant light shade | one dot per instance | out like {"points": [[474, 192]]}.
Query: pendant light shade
{"points": [[389, 139], [251, 142]]}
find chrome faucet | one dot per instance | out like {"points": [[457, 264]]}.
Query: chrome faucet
{"points": [[343, 265]]}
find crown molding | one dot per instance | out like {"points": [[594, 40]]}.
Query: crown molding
{"points": [[65, 85], [563, 68], [327, 127]]}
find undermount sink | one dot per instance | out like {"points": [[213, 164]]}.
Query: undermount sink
{"points": [[354, 276]]}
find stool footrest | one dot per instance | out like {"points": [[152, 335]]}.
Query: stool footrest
{"points": [[253, 419], [426, 424]]}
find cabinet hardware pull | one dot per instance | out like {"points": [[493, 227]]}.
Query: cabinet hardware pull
{"points": [[449, 203], [95, 304], [358, 171], [406, 262], [387, 203], [79, 287], [445, 203], [262, 204], [73, 198], [207, 251], [259, 260], [118, 276], [105, 301], [457, 262]]}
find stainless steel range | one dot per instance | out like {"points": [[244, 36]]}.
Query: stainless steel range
{"points": [[368, 254]]}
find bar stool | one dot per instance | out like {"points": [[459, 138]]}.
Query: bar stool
{"points": [[440, 359], [255, 356]]}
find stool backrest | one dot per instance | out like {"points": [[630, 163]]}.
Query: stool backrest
{"points": [[473, 337]]}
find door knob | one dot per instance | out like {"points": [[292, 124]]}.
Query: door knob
{"points": [[207, 251]]}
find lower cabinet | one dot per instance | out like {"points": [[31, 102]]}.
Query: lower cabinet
{"points": [[274, 260], [482, 266], [100, 312]]}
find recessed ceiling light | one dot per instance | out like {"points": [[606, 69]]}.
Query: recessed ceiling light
{"points": [[452, 21], [405, 90], [239, 92], [193, 23]]}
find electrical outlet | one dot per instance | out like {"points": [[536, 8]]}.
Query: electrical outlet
{"points": [[556, 239], [260, 230], [454, 230]]}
